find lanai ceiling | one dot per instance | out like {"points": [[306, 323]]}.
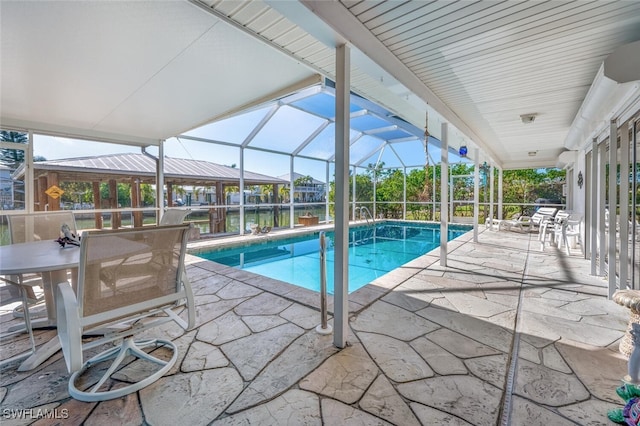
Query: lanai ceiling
{"points": [[141, 71]]}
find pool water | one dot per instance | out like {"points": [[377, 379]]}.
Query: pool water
{"points": [[373, 251]]}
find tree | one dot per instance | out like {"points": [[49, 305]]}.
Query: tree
{"points": [[12, 157]]}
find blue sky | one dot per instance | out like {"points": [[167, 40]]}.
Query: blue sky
{"points": [[285, 131]]}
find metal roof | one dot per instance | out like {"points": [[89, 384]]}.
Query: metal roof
{"points": [[176, 170], [296, 176]]}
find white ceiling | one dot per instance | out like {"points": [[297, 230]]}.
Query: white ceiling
{"points": [[130, 70], [143, 71]]}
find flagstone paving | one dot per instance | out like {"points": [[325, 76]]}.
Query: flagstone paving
{"points": [[505, 334]]}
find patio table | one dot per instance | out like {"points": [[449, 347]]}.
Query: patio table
{"points": [[53, 262]]}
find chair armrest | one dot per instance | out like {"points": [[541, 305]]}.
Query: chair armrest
{"points": [[69, 328]]}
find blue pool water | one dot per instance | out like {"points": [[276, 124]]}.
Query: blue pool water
{"points": [[373, 251]]}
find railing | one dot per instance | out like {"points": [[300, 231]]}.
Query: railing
{"points": [[364, 211], [324, 327]]}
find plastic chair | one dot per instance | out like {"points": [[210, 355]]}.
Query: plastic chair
{"points": [[145, 282], [570, 229], [552, 228]]}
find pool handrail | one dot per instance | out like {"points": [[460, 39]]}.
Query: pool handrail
{"points": [[324, 327]]}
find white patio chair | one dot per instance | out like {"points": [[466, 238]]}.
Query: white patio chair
{"points": [[174, 216], [542, 216], [552, 228], [145, 284], [520, 223], [571, 229]]}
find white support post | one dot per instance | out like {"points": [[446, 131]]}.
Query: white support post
{"points": [[326, 195], [292, 209], [29, 184], [613, 205], [592, 186], [451, 206], [404, 193], [491, 190], [624, 207], [353, 186], [160, 181], [476, 194], [341, 243], [375, 186], [433, 194], [634, 204], [444, 194], [500, 194], [602, 242], [241, 189]]}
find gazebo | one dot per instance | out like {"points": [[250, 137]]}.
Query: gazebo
{"points": [[136, 169]]}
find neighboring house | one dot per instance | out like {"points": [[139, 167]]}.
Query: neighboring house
{"points": [[6, 188], [306, 189]]}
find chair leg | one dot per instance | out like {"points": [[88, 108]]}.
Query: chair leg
{"points": [[27, 325], [128, 347]]}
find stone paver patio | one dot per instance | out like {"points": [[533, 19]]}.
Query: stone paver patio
{"points": [[505, 334]]}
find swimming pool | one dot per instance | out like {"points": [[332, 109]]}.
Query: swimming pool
{"points": [[373, 251]]}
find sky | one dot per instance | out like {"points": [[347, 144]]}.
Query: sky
{"points": [[285, 130]]}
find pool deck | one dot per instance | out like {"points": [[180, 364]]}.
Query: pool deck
{"points": [[504, 334]]}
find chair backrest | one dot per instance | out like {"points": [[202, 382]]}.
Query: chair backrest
{"points": [[39, 226], [126, 272], [543, 213], [561, 216], [174, 216]]}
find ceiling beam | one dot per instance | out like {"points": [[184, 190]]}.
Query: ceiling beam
{"points": [[347, 26]]}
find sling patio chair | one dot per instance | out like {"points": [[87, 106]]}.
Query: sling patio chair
{"points": [[174, 216], [145, 287], [35, 227]]}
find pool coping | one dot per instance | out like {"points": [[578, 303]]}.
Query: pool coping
{"points": [[358, 300]]}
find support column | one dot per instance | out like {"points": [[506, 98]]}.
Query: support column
{"points": [[29, 178], [169, 194], [219, 219], [404, 193], [375, 187], [327, 188], [292, 209], [353, 192], [97, 204], [491, 190], [54, 203], [624, 206], [592, 188], [116, 221], [276, 206], [135, 202], [241, 189], [41, 195], [500, 193], [613, 205], [444, 194], [634, 191], [160, 180], [476, 194], [341, 254], [602, 242], [433, 194]]}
